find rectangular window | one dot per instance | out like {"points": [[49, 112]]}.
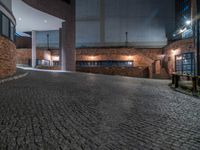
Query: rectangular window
{"points": [[12, 31], [5, 26], [185, 63], [108, 63]]}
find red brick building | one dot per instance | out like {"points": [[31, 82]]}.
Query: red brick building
{"points": [[7, 46]]}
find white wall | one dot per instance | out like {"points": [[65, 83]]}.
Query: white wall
{"points": [[146, 21], [7, 3]]}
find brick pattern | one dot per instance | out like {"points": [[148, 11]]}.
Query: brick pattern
{"points": [[174, 49], [73, 111], [118, 53], [141, 72], [7, 57], [23, 55], [143, 60]]}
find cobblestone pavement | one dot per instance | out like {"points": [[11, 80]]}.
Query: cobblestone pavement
{"points": [[74, 111]]}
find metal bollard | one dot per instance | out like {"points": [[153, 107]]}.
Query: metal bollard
{"points": [[194, 85], [173, 79], [177, 78]]}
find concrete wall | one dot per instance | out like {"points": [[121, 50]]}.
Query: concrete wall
{"points": [[105, 22], [66, 11], [7, 3], [42, 40]]}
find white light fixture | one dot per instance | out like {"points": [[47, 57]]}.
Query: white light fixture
{"points": [[183, 30], [45, 21], [174, 52], [130, 63], [188, 22], [20, 19]]}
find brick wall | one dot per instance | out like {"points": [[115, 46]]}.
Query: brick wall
{"points": [[142, 72], [23, 42], [23, 55], [174, 49], [144, 60], [7, 57], [141, 57]]}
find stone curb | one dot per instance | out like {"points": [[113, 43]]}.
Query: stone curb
{"points": [[13, 78]]}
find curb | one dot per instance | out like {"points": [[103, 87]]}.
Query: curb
{"points": [[13, 78]]}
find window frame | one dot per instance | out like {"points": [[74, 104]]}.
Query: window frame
{"points": [[9, 27]]}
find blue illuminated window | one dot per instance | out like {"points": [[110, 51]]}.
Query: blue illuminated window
{"points": [[107, 63]]}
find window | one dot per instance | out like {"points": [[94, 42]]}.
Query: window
{"points": [[5, 26], [108, 63], [12, 31], [185, 63]]}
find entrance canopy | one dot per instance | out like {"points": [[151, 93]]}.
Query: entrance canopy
{"points": [[29, 18]]}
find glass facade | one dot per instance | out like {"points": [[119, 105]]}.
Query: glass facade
{"points": [[183, 19], [7, 27], [183, 12]]}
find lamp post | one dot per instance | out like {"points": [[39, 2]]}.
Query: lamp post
{"points": [[47, 41], [126, 39]]}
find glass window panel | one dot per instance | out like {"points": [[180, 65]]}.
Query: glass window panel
{"points": [[12, 31], [5, 26]]}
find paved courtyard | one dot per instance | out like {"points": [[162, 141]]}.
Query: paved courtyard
{"points": [[74, 111]]}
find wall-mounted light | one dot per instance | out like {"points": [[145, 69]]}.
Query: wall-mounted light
{"points": [[55, 58], [162, 56], [174, 52], [130, 63], [183, 30], [130, 57], [92, 57], [188, 22]]}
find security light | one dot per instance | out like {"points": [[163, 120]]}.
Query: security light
{"points": [[183, 30], [188, 22]]}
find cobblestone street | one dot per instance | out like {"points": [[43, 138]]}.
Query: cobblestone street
{"points": [[75, 111]]}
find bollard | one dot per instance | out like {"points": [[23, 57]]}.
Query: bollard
{"points": [[188, 78], [177, 78], [194, 85], [173, 79]]}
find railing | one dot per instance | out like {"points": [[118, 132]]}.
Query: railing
{"points": [[177, 77]]}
